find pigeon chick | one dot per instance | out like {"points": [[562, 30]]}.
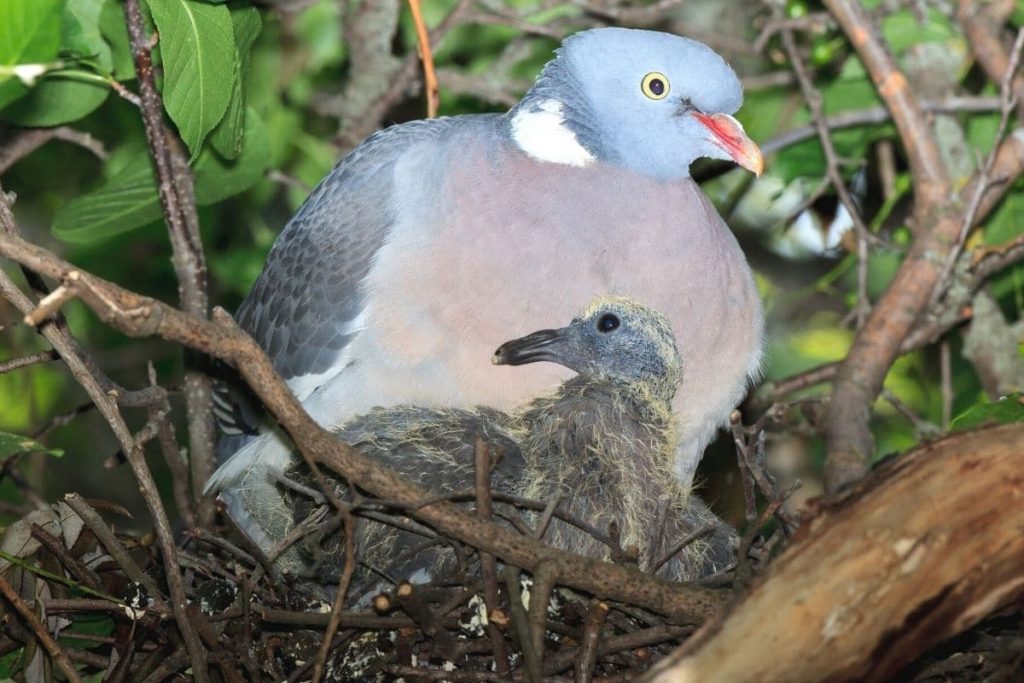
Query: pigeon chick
{"points": [[603, 443]]}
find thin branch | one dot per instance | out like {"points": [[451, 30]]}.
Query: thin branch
{"points": [[109, 541], [174, 182], [488, 564], [26, 361], [628, 15], [813, 98], [427, 56], [29, 141], [107, 405], [337, 609], [816, 22], [875, 115], [75, 567], [1008, 102], [937, 225]]}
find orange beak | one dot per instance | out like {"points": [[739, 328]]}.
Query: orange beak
{"points": [[727, 133]]}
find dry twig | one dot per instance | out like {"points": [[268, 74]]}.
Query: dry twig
{"points": [[426, 54], [39, 630]]}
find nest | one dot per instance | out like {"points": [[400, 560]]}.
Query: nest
{"points": [[102, 598]]}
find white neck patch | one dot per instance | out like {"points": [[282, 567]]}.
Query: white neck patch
{"points": [[543, 135]]}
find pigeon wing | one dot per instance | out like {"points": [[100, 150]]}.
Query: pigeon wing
{"points": [[306, 305]]}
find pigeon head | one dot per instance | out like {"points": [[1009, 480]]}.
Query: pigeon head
{"points": [[649, 101], [616, 340]]}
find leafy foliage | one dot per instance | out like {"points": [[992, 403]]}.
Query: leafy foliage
{"points": [[1004, 411], [15, 444], [200, 65], [29, 34]]}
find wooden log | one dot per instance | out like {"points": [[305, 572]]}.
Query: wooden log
{"points": [[924, 548]]}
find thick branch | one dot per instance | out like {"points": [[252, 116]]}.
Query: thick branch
{"points": [[926, 547], [141, 316]]}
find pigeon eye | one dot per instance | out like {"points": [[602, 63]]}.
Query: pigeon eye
{"points": [[655, 85], [607, 322]]}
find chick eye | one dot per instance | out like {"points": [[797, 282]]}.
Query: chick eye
{"points": [[607, 323], [655, 85]]}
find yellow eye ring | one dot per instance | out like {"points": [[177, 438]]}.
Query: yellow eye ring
{"points": [[655, 85]]}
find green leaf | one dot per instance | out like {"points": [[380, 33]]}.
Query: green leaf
{"points": [[60, 97], [218, 178], [1006, 410], [227, 136], [29, 34], [198, 48], [56, 100], [129, 199], [11, 663], [113, 29], [1005, 223], [902, 29], [15, 444], [82, 38]]}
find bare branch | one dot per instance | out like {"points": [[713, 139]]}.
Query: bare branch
{"points": [[29, 141], [106, 403], [937, 227], [174, 182]]}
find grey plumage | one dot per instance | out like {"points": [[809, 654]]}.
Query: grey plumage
{"points": [[317, 264], [432, 239], [603, 443]]}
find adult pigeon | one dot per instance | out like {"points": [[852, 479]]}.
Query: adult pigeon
{"points": [[420, 250], [602, 445]]}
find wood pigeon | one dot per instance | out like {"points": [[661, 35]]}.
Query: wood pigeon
{"points": [[603, 445], [420, 250]]}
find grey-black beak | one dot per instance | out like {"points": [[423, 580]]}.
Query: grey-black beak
{"points": [[544, 345]]}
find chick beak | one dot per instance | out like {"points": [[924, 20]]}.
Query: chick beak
{"points": [[727, 133], [544, 345]]}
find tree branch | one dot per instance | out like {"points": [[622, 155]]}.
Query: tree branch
{"points": [[882, 576], [930, 178], [938, 224], [174, 182], [982, 24], [29, 141]]}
